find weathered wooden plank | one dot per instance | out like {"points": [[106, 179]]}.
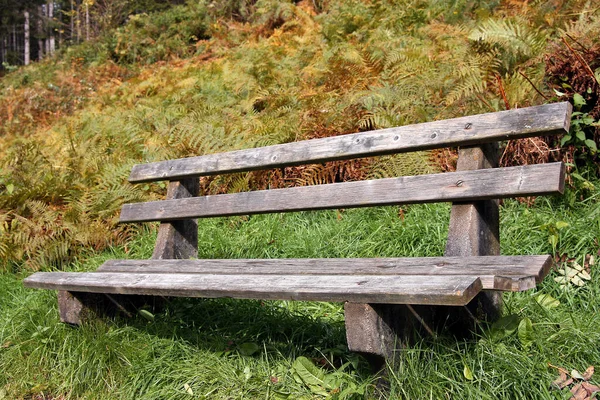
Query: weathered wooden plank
{"points": [[452, 290], [453, 186], [476, 129], [377, 330], [474, 230], [178, 239], [495, 272]]}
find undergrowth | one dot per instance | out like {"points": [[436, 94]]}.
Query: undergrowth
{"points": [[205, 77], [224, 348]]}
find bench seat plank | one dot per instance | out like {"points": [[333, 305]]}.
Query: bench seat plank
{"points": [[432, 290], [496, 272], [541, 120], [482, 184]]}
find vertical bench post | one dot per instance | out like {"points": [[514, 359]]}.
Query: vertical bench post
{"points": [[377, 330], [176, 239], [475, 231]]}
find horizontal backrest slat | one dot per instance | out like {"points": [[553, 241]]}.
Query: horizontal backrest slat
{"points": [[477, 129], [453, 186]]}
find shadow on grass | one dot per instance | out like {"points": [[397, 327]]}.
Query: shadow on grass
{"points": [[229, 325]]}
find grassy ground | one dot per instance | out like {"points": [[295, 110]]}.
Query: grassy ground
{"points": [[225, 349]]}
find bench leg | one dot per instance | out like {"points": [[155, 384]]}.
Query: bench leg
{"points": [[377, 331], [75, 307]]}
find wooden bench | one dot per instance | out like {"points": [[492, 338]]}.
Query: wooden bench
{"points": [[384, 297]]}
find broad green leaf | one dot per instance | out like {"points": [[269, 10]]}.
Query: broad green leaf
{"points": [[247, 349], [587, 120], [526, 332], [332, 381], [553, 239], [547, 301], [580, 135], [505, 325], [559, 94], [146, 314], [247, 373], [308, 372], [578, 100], [565, 139], [467, 372], [561, 224], [591, 145], [10, 188], [281, 395]]}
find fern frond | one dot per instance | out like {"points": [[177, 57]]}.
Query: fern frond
{"points": [[407, 164], [514, 40]]}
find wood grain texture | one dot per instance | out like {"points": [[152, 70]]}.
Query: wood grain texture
{"points": [[495, 272], [474, 230], [453, 186], [452, 290], [484, 128], [178, 239]]}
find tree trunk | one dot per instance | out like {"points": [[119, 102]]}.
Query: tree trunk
{"points": [[78, 22], [51, 39], [72, 21], [26, 50], [87, 21], [15, 43], [40, 33]]}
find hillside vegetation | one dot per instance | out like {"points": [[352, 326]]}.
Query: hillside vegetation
{"points": [[214, 76]]}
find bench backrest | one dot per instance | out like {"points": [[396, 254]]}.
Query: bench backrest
{"points": [[460, 186]]}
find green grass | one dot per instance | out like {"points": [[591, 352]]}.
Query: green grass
{"points": [[235, 349]]}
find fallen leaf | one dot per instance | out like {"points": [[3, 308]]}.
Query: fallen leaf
{"points": [[562, 381], [587, 375], [188, 389], [577, 375], [579, 392], [547, 301], [467, 373], [591, 389], [585, 275], [576, 266]]}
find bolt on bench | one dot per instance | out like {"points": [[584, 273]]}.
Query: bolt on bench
{"points": [[385, 298]]}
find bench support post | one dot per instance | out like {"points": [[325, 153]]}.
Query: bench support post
{"points": [[176, 239], [475, 231], [377, 330]]}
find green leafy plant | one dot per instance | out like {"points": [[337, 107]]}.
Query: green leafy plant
{"points": [[581, 134], [325, 384]]}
